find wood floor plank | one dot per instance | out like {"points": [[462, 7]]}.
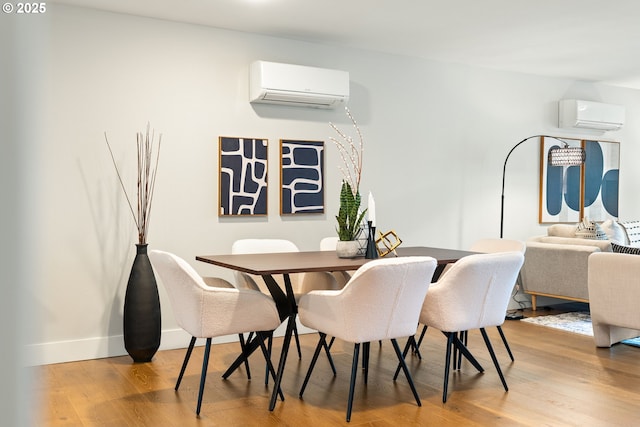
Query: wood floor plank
{"points": [[558, 379]]}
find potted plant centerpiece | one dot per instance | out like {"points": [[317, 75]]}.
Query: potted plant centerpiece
{"points": [[142, 320], [349, 215], [349, 222]]}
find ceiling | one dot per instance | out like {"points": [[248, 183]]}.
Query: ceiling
{"points": [[590, 40]]}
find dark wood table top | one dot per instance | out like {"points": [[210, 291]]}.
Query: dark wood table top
{"points": [[300, 262]]}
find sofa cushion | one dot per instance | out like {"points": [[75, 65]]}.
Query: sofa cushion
{"points": [[603, 245], [615, 232], [562, 230], [622, 249]]}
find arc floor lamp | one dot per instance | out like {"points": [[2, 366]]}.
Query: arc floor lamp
{"points": [[558, 156]]}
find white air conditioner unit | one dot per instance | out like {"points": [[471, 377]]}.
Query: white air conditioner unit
{"points": [[573, 113], [297, 85]]}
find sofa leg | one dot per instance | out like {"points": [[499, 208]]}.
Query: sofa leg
{"points": [[533, 303]]}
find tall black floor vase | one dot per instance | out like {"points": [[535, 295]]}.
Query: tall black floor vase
{"points": [[142, 322]]}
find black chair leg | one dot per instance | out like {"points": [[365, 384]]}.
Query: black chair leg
{"points": [[457, 355], [331, 342], [447, 364], [184, 363], [269, 347], [314, 359], [506, 344], [366, 348], [203, 376], [454, 342], [242, 347], [295, 335], [352, 384], [411, 342], [417, 347], [494, 358], [406, 371], [267, 357], [465, 352], [327, 349]]}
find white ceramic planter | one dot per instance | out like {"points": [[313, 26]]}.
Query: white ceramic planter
{"points": [[347, 249]]}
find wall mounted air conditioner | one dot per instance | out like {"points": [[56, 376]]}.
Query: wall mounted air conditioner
{"points": [[573, 113], [297, 85]]}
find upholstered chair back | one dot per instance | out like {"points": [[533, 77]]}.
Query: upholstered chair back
{"points": [[381, 301], [205, 311], [473, 294]]}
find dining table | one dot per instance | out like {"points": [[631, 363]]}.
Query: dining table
{"points": [[267, 265]]}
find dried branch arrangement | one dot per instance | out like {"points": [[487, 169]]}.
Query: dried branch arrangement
{"points": [[146, 179], [349, 216], [351, 154]]}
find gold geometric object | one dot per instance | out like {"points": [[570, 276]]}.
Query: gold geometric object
{"points": [[387, 243]]}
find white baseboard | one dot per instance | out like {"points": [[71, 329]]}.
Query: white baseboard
{"points": [[101, 347]]}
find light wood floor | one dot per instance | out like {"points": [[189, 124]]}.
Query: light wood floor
{"points": [[557, 379]]}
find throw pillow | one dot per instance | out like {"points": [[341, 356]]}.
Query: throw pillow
{"points": [[615, 232], [632, 229], [590, 230], [621, 249]]}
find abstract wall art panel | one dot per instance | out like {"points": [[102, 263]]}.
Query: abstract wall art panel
{"points": [[243, 176], [301, 177], [571, 193], [559, 185], [601, 172]]}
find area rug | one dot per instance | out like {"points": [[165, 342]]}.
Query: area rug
{"points": [[578, 322]]}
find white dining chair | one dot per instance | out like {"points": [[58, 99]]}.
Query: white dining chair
{"points": [[487, 245], [212, 310], [491, 246], [381, 301], [473, 294]]}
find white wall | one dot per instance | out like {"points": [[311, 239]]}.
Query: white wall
{"points": [[436, 138]]}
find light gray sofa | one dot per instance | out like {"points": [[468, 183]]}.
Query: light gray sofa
{"points": [[556, 265]]}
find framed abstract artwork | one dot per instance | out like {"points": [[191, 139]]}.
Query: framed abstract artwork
{"points": [[571, 193], [301, 177], [242, 176]]}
